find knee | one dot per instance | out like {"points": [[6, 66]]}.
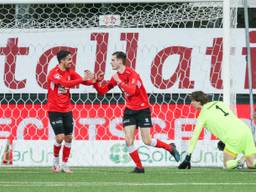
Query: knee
{"points": [[59, 138], [147, 141], [129, 141], [251, 164], [68, 138]]}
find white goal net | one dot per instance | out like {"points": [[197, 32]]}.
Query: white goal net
{"points": [[175, 46]]}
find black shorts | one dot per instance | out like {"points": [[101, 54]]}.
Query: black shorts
{"points": [[61, 122], [140, 118]]}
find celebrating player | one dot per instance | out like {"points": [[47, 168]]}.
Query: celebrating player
{"points": [[60, 79], [223, 123], [137, 112]]}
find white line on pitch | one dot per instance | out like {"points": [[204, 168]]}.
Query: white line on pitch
{"points": [[81, 184]]}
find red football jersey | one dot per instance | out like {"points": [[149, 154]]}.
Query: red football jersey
{"points": [[59, 83], [132, 87]]}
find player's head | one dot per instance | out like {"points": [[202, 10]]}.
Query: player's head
{"points": [[118, 60], [64, 58], [198, 99]]}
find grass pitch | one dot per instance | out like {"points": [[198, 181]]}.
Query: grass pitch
{"points": [[121, 180]]}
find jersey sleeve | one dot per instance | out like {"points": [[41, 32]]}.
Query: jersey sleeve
{"points": [[106, 87], [75, 75], [65, 83], [196, 133], [88, 82], [130, 88]]}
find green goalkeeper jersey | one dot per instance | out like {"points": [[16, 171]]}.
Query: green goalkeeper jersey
{"points": [[217, 118]]}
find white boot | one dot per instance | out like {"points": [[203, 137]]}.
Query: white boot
{"points": [[56, 165], [66, 169]]}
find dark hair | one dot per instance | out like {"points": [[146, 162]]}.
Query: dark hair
{"points": [[199, 96], [62, 55], [120, 55]]}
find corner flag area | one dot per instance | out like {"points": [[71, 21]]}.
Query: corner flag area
{"points": [[121, 180]]}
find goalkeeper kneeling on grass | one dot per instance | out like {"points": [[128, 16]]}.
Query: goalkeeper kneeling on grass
{"points": [[216, 117]]}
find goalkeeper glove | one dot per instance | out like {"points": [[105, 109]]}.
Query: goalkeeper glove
{"points": [[221, 146], [186, 163]]}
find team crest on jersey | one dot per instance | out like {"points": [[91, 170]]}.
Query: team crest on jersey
{"points": [[57, 76], [62, 90]]}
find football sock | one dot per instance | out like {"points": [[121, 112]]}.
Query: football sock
{"points": [[56, 149], [160, 144], [66, 152], [133, 152]]}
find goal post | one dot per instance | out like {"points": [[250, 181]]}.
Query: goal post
{"points": [[176, 46]]}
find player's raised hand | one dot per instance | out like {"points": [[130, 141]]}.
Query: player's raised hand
{"points": [[88, 75], [116, 78], [186, 163], [99, 76]]}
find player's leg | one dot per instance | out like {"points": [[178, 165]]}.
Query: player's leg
{"points": [[130, 126], [251, 161], [57, 147], [145, 123], [129, 131], [230, 161], [68, 131], [148, 140], [250, 151], [238, 163], [57, 125]]}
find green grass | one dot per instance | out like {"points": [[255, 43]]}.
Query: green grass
{"points": [[121, 180]]}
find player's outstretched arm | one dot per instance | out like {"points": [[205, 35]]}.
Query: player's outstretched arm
{"points": [[193, 141], [103, 89], [65, 83], [89, 78], [195, 136], [129, 88]]}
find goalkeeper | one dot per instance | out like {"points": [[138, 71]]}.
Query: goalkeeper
{"points": [[223, 123]]}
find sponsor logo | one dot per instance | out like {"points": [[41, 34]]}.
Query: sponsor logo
{"points": [[33, 156], [119, 154], [57, 122], [62, 90], [126, 121]]}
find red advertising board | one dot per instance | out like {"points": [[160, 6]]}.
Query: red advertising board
{"points": [[97, 122]]}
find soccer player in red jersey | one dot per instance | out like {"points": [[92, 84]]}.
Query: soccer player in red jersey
{"points": [[137, 112], [60, 79]]}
